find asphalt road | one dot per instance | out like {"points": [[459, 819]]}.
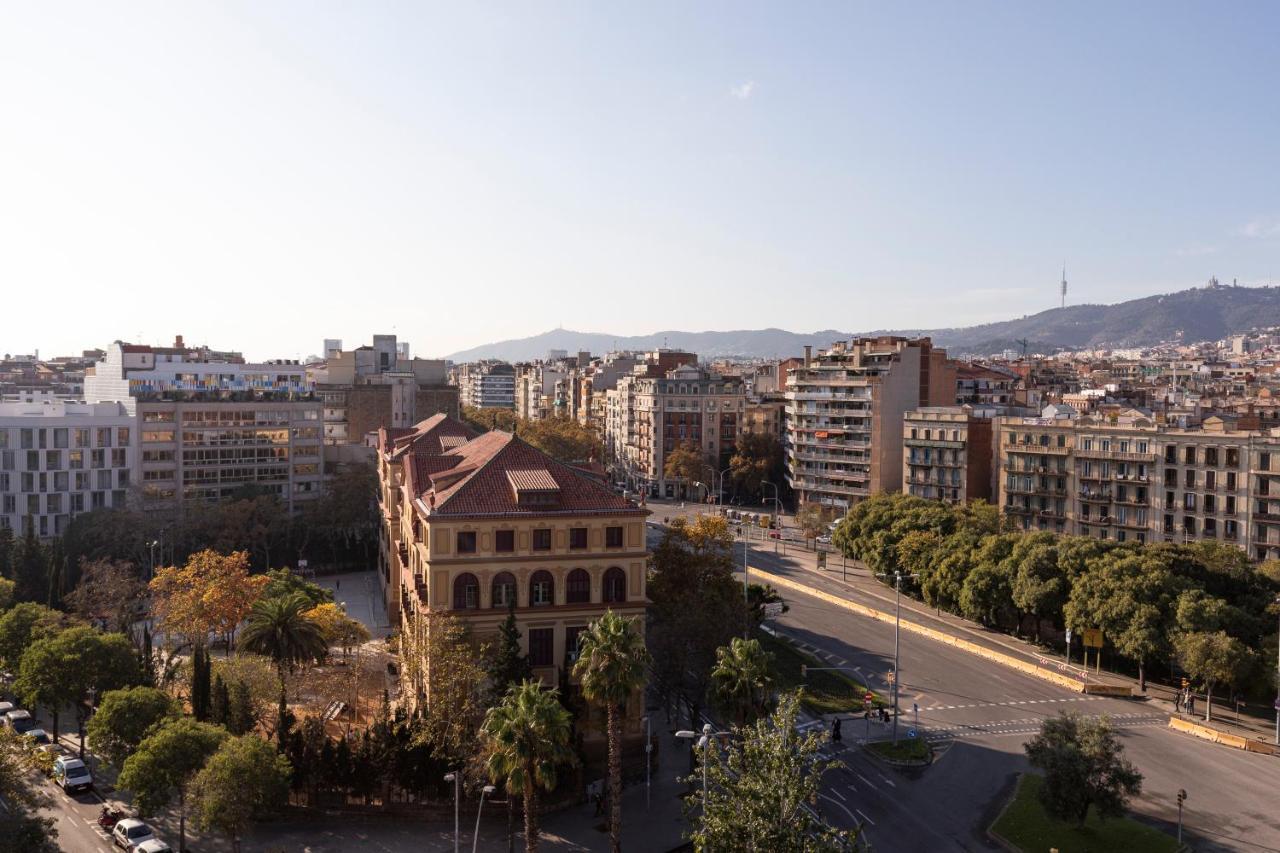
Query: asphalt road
{"points": [[979, 714]]}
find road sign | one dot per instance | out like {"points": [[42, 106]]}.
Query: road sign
{"points": [[911, 732], [1068, 636], [1093, 638], [866, 700], [891, 677]]}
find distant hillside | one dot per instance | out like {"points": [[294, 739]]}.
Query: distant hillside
{"points": [[1205, 313]]}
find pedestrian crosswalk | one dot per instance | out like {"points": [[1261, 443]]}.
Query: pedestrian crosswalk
{"points": [[1031, 725], [1014, 702]]}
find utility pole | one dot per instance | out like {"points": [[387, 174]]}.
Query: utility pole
{"points": [[897, 625], [746, 589]]}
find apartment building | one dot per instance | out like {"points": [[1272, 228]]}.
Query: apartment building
{"points": [[209, 428], [649, 417], [371, 387], [482, 525], [845, 409], [1142, 482], [59, 458], [947, 453], [487, 385]]}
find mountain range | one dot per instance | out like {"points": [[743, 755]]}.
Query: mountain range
{"points": [[1199, 314]]}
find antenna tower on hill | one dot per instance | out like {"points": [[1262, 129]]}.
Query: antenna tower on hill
{"points": [[1063, 286]]}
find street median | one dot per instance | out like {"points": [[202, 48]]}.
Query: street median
{"points": [[1220, 737], [1068, 681]]}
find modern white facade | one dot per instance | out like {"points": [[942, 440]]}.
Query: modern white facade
{"points": [[59, 458]]}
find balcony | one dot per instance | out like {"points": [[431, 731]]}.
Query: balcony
{"points": [[1116, 455], [1037, 448], [1096, 497]]}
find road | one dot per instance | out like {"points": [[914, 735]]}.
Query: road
{"points": [[979, 714]]}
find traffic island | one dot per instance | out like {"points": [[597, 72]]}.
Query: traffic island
{"points": [[825, 691], [1024, 827], [907, 752]]}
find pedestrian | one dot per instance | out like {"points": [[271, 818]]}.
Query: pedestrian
{"points": [[836, 737], [1177, 701], [337, 585], [1191, 704]]}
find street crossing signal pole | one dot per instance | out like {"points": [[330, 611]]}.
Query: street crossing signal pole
{"points": [[897, 624]]}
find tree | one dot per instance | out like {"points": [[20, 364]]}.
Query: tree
{"points": [[1212, 657], [21, 825], [562, 438], [813, 519], [283, 582], [611, 664], [279, 629], [506, 665], [741, 681], [24, 624], [220, 703], [211, 592], [338, 628], [166, 762], [527, 736], [201, 691], [124, 718], [8, 591], [697, 607], [986, 595], [453, 689], [687, 464], [66, 668], [254, 686], [1083, 766], [758, 792], [241, 714], [31, 567], [757, 459], [245, 779], [1040, 586], [108, 594], [483, 420]]}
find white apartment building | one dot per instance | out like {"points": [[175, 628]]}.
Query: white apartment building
{"points": [[59, 458], [487, 385]]}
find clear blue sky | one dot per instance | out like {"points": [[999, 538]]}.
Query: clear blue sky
{"points": [[263, 175]]}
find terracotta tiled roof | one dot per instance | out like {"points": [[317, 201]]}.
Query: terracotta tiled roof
{"points": [[436, 435], [487, 470]]}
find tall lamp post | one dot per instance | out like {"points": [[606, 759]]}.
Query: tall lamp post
{"points": [[475, 839], [704, 743], [720, 488], [1278, 685], [777, 502], [897, 625], [456, 779]]}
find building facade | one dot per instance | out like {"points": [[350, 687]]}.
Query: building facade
{"points": [[845, 409], [947, 453], [487, 385], [478, 526], [209, 428], [60, 458]]}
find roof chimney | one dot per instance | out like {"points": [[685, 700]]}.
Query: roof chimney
{"points": [[808, 355], [177, 342]]}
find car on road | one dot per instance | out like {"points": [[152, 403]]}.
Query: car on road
{"points": [[19, 720], [130, 834], [71, 775], [824, 540], [155, 845], [6, 707]]}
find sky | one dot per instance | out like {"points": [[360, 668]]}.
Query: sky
{"points": [[261, 176]]}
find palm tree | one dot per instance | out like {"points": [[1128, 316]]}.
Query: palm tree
{"points": [[611, 663], [527, 735], [741, 682], [279, 629]]}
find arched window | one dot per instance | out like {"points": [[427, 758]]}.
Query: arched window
{"points": [[504, 589], [542, 588], [578, 587], [615, 585], [466, 592]]}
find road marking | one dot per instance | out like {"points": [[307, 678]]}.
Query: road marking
{"points": [[888, 781], [864, 817], [866, 780], [840, 806], [836, 791], [852, 789]]}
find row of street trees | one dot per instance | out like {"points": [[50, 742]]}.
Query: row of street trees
{"points": [[559, 437], [1202, 605], [757, 459]]}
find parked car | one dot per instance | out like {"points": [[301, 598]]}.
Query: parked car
{"points": [[155, 845], [6, 707], [37, 737], [824, 540], [19, 720], [130, 834], [71, 775]]}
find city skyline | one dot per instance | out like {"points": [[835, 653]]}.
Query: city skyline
{"points": [[720, 168]]}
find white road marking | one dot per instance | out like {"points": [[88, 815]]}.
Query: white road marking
{"points": [[840, 806], [864, 817], [836, 791], [888, 781], [865, 779]]}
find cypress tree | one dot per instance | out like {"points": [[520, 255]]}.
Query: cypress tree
{"points": [[240, 710], [200, 686], [220, 704]]}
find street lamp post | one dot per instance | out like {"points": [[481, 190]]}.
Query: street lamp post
{"points": [[1278, 685], [777, 501], [746, 587], [704, 742], [1182, 795], [897, 626], [648, 762], [475, 839], [456, 779], [720, 488]]}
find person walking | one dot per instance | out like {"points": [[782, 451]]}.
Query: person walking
{"points": [[1191, 703], [1177, 702], [836, 737]]}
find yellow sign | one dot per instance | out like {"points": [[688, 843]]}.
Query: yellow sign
{"points": [[1093, 638]]}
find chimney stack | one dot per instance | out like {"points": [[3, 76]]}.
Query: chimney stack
{"points": [[177, 342], [808, 355]]}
